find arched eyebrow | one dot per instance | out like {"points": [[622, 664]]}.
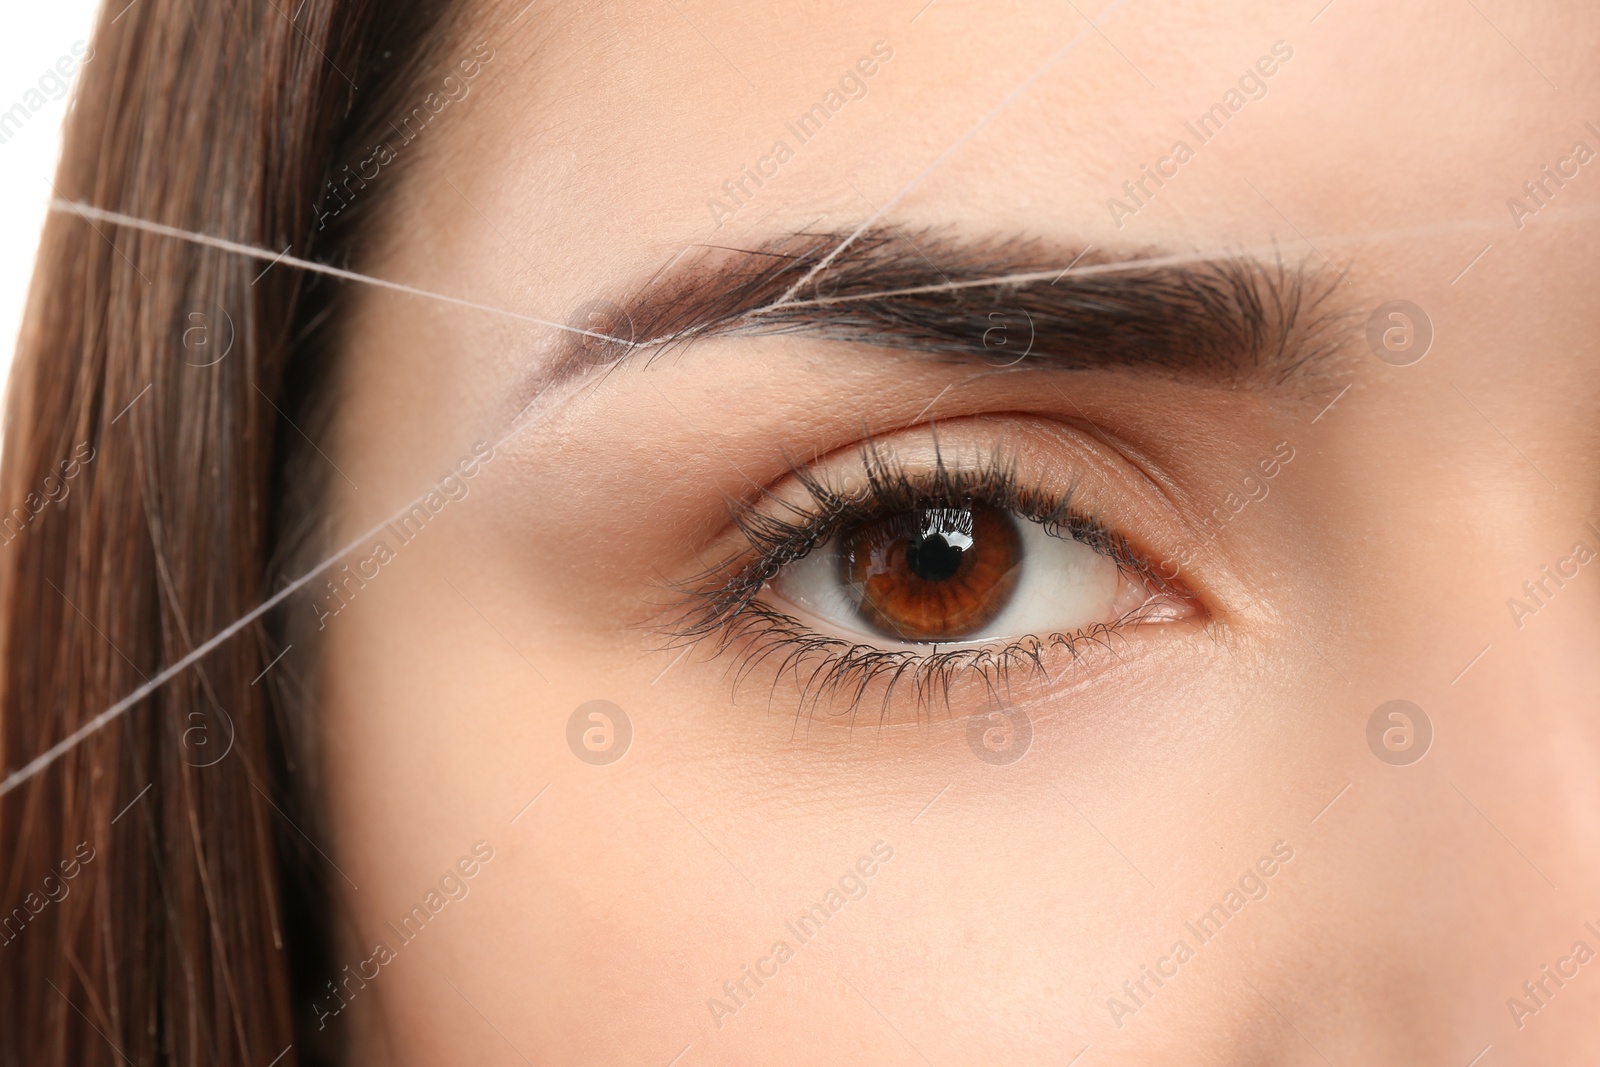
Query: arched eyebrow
{"points": [[1228, 320]]}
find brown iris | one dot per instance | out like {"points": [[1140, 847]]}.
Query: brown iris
{"points": [[934, 574]]}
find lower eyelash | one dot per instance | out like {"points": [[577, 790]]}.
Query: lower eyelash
{"points": [[722, 604], [825, 666]]}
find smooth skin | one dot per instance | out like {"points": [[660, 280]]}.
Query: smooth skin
{"points": [[1416, 900]]}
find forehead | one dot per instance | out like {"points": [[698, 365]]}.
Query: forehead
{"points": [[652, 124]]}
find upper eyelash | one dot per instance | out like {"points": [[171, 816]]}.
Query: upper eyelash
{"points": [[722, 602]]}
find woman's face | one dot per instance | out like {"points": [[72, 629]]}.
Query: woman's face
{"points": [[986, 672]]}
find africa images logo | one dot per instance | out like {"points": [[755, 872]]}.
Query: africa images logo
{"points": [[453, 89], [1252, 85], [345, 583], [852, 85]]}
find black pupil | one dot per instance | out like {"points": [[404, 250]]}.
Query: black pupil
{"points": [[934, 553]]}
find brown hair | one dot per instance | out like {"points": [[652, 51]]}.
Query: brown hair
{"points": [[159, 900]]}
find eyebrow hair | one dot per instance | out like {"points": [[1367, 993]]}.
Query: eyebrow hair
{"points": [[1230, 320]]}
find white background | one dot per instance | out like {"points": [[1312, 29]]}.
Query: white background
{"points": [[36, 35]]}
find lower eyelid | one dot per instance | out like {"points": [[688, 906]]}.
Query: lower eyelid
{"points": [[835, 679]]}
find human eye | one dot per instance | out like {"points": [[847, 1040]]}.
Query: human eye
{"points": [[923, 567]]}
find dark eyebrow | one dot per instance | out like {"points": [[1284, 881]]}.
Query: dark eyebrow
{"points": [[1230, 320]]}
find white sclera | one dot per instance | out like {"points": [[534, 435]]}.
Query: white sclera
{"points": [[1064, 586]]}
